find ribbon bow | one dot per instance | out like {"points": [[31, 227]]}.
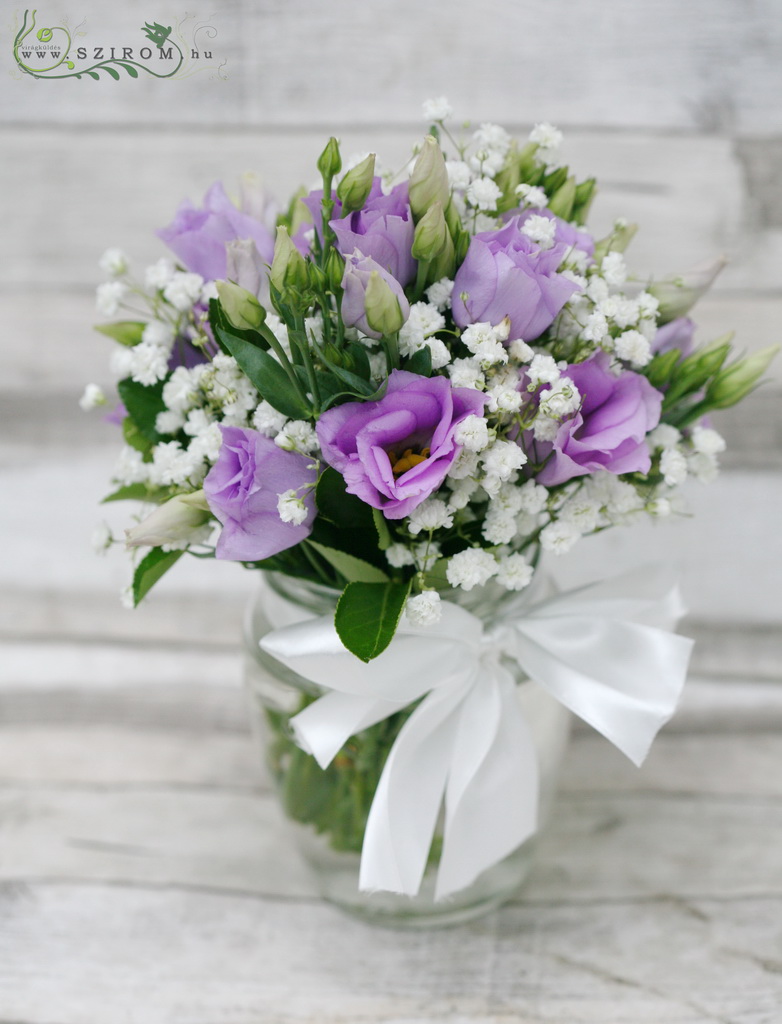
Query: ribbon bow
{"points": [[603, 651]]}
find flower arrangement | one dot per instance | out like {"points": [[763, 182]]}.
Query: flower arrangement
{"points": [[406, 387]]}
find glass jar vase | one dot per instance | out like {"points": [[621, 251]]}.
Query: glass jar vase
{"points": [[327, 809]]}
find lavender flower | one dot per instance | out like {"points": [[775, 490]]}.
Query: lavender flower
{"points": [[243, 489], [609, 430], [384, 230], [505, 274], [198, 236], [395, 452]]}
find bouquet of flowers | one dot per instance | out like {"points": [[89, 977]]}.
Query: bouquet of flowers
{"points": [[404, 388]]}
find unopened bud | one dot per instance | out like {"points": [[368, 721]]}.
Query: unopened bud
{"points": [[617, 241], [173, 522], [383, 311], [335, 269], [429, 181], [241, 307], [356, 185], [431, 234], [561, 202], [679, 294], [737, 380], [289, 269], [329, 161], [244, 266]]}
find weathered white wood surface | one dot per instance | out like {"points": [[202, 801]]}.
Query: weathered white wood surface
{"points": [[145, 876], [706, 64]]}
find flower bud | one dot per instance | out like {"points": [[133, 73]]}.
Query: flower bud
{"points": [[241, 307], [244, 266], [678, 295], [173, 522], [289, 269], [329, 161], [356, 185], [254, 200], [372, 299], [737, 380], [617, 241], [429, 181], [431, 234], [561, 202], [384, 314], [335, 269]]}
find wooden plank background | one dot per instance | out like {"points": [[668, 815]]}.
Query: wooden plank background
{"points": [[145, 875]]}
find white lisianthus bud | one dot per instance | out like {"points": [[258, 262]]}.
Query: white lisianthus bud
{"points": [[677, 295], [174, 522]]}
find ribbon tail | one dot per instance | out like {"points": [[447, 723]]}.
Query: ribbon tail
{"points": [[492, 796], [323, 727], [408, 798], [623, 678]]}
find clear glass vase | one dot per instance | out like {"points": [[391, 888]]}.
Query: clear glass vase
{"points": [[327, 810]]}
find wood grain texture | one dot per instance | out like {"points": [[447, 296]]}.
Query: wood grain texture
{"points": [[661, 65], [168, 898], [686, 191]]}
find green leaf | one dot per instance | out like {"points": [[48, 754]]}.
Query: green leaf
{"points": [[110, 71], [383, 532], [360, 387], [334, 399], [126, 332], [335, 504], [149, 571], [354, 540], [367, 616], [361, 360], [352, 568], [265, 374], [143, 405], [129, 68], [139, 492], [133, 437], [420, 362]]}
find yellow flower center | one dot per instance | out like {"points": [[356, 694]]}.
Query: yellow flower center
{"points": [[401, 463]]}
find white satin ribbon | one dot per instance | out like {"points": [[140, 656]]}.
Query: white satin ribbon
{"points": [[604, 651]]}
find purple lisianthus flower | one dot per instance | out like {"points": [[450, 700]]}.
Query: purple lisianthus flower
{"points": [[565, 234], [358, 271], [382, 229], [242, 489], [314, 200], [675, 334], [609, 430], [506, 274], [395, 452], [198, 236]]}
